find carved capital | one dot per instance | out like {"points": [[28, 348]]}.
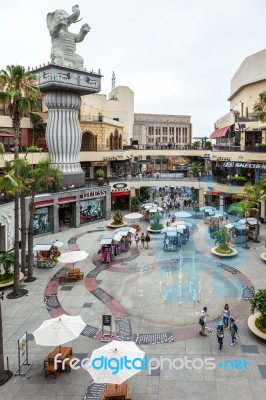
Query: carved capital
{"points": [[62, 100]]}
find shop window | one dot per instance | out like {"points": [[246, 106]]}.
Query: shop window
{"points": [[91, 210], [42, 220]]}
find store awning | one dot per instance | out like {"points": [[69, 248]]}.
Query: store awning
{"points": [[220, 132], [47, 246], [3, 134]]}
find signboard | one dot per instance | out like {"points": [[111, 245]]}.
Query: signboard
{"points": [[23, 355], [206, 156], [106, 321], [231, 164]]}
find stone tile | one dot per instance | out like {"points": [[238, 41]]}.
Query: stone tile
{"points": [[87, 305], [66, 288], [249, 348], [262, 369]]}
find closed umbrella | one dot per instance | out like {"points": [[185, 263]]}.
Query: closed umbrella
{"points": [[73, 256], [115, 353], [59, 330]]}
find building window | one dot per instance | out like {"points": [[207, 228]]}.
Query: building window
{"points": [[91, 210], [42, 220]]}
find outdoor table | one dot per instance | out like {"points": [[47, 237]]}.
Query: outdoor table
{"points": [[119, 392], [73, 274], [65, 352]]}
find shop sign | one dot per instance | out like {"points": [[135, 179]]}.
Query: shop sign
{"points": [[93, 193], [231, 164]]}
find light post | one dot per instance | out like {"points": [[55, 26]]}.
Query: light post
{"points": [[4, 375]]}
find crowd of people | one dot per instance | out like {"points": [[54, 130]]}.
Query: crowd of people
{"points": [[227, 323]]}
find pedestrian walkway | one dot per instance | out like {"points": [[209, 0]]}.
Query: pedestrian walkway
{"points": [[138, 289]]}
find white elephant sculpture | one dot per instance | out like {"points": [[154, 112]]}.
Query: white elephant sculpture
{"points": [[64, 42]]}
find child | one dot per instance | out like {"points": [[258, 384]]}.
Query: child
{"points": [[220, 334], [233, 331]]}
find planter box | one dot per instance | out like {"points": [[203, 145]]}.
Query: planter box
{"points": [[234, 253]]}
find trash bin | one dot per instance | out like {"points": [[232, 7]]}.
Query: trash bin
{"points": [[261, 220]]}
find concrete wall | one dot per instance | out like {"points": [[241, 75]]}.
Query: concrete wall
{"points": [[6, 227]]}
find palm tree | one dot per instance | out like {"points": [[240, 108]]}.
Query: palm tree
{"points": [[37, 123], [256, 192], [36, 180], [196, 168], [242, 208], [259, 107], [18, 89]]}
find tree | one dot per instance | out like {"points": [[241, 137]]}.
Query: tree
{"points": [[222, 239], [37, 123], [196, 168], [256, 192], [259, 107], [7, 260], [36, 179], [18, 89], [242, 208], [259, 303]]}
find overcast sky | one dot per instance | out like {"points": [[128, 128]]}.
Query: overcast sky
{"points": [[178, 56]]}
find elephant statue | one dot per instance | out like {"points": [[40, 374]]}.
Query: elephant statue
{"points": [[64, 42]]}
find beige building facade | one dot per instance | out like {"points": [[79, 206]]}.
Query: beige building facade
{"points": [[243, 127], [158, 129]]}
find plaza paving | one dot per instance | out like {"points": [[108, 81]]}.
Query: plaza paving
{"points": [[153, 301]]}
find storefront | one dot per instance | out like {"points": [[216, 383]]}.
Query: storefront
{"points": [[43, 217], [120, 196], [92, 205], [59, 211]]}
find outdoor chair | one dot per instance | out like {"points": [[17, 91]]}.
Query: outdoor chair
{"points": [[72, 277], [49, 368], [80, 275]]}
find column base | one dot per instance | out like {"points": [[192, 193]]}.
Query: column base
{"points": [[73, 180]]}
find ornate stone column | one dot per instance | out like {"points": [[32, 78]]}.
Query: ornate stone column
{"points": [[63, 134], [63, 87]]}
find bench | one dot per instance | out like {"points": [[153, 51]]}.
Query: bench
{"points": [[49, 368], [80, 275], [73, 276]]}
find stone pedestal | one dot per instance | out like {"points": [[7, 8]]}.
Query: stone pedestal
{"points": [[63, 87]]}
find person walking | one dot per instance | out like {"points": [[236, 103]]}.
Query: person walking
{"points": [[137, 239], [147, 240], [226, 315], [142, 239], [220, 334], [233, 331], [203, 320]]}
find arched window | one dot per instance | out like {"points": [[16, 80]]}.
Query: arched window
{"points": [[112, 141], [89, 142]]}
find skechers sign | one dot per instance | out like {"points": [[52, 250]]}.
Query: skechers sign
{"points": [[230, 164]]}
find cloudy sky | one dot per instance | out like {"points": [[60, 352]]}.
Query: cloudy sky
{"points": [[177, 56]]}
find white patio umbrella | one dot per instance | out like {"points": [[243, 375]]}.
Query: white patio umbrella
{"points": [[250, 220], [205, 208], [133, 215], [182, 214], [73, 256], [115, 350], [59, 330]]}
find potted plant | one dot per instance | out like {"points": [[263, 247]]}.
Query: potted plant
{"points": [[222, 239], [100, 174], [7, 260], [135, 202], [155, 226], [238, 180], [118, 220], [257, 321]]}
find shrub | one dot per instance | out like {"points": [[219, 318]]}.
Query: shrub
{"points": [[222, 238], [259, 303], [118, 218]]}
